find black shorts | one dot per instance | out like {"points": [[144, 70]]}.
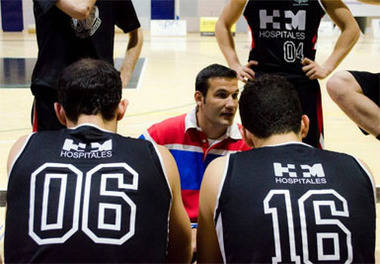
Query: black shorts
{"points": [[43, 114], [370, 84], [311, 101]]}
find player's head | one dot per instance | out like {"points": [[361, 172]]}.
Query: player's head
{"points": [[90, 87], [269, 106], [216, 96]]}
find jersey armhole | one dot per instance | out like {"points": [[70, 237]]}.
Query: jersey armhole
{"points": [[245, 6], [217, 215], [322, 6], [19, 154], [369, 177], [163, 169], [148, 137], [221, 186]]}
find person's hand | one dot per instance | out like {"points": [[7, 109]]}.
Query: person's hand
{"points": [[245, 73], [313, 70]]}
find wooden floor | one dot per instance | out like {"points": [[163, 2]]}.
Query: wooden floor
{"points": [[167, 85]]}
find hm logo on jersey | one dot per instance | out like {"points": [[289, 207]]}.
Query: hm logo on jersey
{"points": [[297, 21], [82, 151], [301, 2], [299, 174]]}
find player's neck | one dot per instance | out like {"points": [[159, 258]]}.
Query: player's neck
{"points": [[277, 139], [94, 120]]}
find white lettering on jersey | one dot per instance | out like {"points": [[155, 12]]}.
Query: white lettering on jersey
{"points": [[311, 174], [265, 19], [69, 145], [78, 151], [315, 170], [107, 145], [279, 170], [298, 20]]}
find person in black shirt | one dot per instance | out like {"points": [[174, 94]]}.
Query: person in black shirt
{"points": [[87, 194], [69, 30], [284, 35], [357, 93], [284, 201]]}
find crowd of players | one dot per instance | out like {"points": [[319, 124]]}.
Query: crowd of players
{"points": [[199, 187]]}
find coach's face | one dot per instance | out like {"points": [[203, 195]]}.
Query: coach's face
{"points": [[219, 105]]}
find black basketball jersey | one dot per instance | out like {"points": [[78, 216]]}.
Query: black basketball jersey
{"points": [[87, 195], [283, 33], [292, 203]]}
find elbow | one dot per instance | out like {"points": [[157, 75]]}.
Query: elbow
{"points": [[355, 33], [136, 38]]}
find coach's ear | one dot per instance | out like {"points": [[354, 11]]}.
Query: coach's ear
{"points": [[199, 98], [60, 113], [305, 122], [121, 109]]}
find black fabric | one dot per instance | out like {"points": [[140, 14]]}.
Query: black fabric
{"points": [[370, 84], [279, 43], [98, 170], [329, 184], [63, 40], [61, 43], [43, 111]]}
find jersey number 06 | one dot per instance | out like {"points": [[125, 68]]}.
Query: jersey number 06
{"points": [[56, 201]]}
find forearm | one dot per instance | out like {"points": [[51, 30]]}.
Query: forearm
{"points": [[344, 44], [226, 44], [79, 9], [131, 55]]}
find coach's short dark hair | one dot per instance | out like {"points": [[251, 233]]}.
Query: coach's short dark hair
{"points": [[270, 105], [212, 71], [89, 87]]}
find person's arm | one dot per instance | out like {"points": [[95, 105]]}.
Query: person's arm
{"points": [[179, 246], [231, 13], [132, 54], [350, 33], [208, 250], [79, 9], [15, 150]]}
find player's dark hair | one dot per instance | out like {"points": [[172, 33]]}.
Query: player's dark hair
{"points": [[270, 105], [212, 71], [89, 87]]}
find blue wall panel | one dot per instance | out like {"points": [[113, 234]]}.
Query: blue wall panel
{"points": [[11, 15], [162, 9]]}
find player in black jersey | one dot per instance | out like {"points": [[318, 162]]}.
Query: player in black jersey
{"points": [[284, 201], [358, 95], [284, 34], [87, 194]]}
